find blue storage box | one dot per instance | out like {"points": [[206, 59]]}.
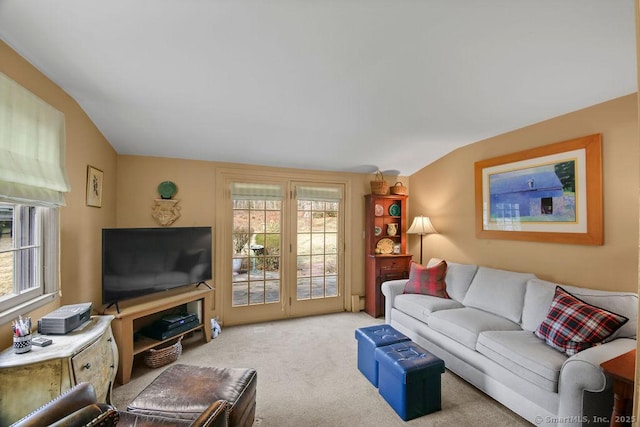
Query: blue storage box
{"points": [[369, 339], [409, 379]]}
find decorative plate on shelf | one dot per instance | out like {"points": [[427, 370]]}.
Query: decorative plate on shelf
{"points": [[394, 210], [167, 189], [385, 246], [377, 230], [379, 210]]}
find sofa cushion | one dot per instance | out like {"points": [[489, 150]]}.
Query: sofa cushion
{"points": [[465, 324], [427, 280], [573, 325], [498, 291], [540, 293], [458, 278], [537, 300], [421, 306], [522, 353]]}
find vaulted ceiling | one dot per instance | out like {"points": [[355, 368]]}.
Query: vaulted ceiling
{"points": [[349, 85]]}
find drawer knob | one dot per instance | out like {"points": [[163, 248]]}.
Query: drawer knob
{"points": [[110, 339], [86, 366]]}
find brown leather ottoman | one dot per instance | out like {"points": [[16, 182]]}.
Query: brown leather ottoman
{"points": [[184, 392]]}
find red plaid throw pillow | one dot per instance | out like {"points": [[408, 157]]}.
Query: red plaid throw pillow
{"points": [[427, 281], [572, 325]]}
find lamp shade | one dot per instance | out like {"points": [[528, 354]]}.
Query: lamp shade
{"points": [[421, 225]]}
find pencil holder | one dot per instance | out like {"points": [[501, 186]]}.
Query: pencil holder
{"points": [[22, 344]]}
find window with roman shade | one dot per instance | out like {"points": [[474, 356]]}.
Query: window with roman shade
{"points": [[33, 181]]}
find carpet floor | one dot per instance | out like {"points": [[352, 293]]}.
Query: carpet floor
{"points": [[308, 376]]}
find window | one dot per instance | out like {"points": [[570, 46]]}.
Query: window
{"points": [[28, 236], [256, 236], [286, 245], [33, 181], [317, 235]]}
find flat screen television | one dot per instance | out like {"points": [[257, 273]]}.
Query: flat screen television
{"points": [[142, 261]]}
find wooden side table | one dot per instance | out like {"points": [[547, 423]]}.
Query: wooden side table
{"points": [[622, 370], [29, 380], [379, 269]]}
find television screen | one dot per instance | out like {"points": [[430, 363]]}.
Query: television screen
{"points": [[141, 261]]}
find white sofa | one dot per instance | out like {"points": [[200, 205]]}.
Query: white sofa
{"points": [[485, 334]]}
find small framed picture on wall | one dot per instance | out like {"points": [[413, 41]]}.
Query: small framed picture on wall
{"points": [[94, 186]]}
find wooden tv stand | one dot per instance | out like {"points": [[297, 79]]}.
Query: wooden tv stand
{"points": [[132, 318]]}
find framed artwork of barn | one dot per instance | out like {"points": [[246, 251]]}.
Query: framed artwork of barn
{"points": [[551, 193]]}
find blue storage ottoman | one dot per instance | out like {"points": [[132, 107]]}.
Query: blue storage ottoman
{"points": [[409, 379], [369, 339]]}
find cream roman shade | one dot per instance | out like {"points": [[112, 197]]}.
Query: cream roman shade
{"points": [[32, 148], [252, 191], [326, 194]]}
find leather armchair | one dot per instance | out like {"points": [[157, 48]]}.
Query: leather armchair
{"points": [[78, 407]]}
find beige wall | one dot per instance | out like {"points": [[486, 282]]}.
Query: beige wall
{"points": [[444, 191], [80, 225]]}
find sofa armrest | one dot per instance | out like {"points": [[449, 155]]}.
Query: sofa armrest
{"points": [[390, 290], [582, 373], [72, 400], [215, 415], [94, 415]]}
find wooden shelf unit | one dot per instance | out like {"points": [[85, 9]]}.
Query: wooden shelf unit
{"points": [[382, 267], [135, 316]]}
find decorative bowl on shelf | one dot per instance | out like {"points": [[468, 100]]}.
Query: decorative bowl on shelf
{"points": [[378, 210], [394, 210], [377, 230]]}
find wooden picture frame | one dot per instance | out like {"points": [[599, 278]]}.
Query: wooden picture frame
{"points": [[546, 194], [94, 186]]}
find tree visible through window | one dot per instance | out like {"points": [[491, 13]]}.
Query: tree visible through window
{"points": [[256, 239]]}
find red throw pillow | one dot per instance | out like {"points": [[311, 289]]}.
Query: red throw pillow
{"points": [[572, 325], [427, 281]]}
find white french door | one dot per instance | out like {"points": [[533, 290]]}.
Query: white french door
{"points": [[257, 218], [318, 230], [286, 244]]}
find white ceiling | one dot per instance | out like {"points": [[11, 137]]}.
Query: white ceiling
{"points": [[340, 85]]}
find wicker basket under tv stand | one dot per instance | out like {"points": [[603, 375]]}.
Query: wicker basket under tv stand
{"points": [[135, 314]]}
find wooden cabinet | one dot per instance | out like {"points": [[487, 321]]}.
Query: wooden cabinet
{"points": [[29, 380], [136, 315], [385, 246]]}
